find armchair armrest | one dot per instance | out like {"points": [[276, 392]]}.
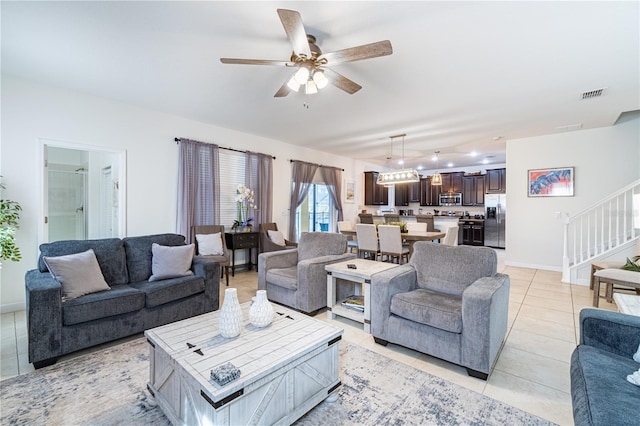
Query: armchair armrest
{"points": [[384, 286], [274, 260], [312, 272], [209, 269], [44, 315], [611, 331], [485, 312]]}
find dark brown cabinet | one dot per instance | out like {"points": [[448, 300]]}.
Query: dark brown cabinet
{"points": [[452, 182], [473, 190], [406, 193], [374, 194], [242, 241], [496, 181], [429, 194]]}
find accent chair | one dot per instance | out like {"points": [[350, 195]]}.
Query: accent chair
{"points": [[267, 244], [448, 302], [223, 259]]}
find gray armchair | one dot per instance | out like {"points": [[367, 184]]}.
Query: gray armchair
{"points": [[296, 277], [448, 302]]}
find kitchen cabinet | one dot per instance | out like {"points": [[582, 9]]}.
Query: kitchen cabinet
{"points": [[496, 181], [429, 194], [406, 193], [452, 182], [473, 190], [374, 194], [471, 232]]}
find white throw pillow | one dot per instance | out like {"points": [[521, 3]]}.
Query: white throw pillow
{"points": [[171, 261], [79, 274], [210, 244], [276, 237]]}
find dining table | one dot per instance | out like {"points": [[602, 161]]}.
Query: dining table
{"points": [[410, 237]]}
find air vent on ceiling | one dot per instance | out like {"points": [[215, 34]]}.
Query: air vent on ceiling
{"points": [[569, 127], [592, 93]]}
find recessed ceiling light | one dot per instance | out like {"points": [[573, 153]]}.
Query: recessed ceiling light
{"points": [[497, 138], [419, 167], [473, 153], [485, 161], [401, 162], [449, 164], [434, 158]]}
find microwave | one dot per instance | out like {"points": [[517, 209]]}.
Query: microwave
{"points": [[451, 199]]}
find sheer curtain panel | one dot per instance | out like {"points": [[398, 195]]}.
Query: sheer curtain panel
{"points": [[259, 177], [332, 178], [301, 178], [198, 186]]}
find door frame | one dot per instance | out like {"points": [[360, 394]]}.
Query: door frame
{"points": [[121, 154]]}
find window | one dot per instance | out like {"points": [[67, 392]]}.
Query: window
{"points": [[232, 174], [315, 214]]}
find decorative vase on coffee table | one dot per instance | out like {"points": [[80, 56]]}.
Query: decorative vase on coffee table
{"points": [[230, 318], [261, 311]]}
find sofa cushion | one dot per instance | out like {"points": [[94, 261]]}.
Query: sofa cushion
{"points": [[317, 244], [429, 308], [119, 300], [171, 262], [284, 277], [109, 252], [79, 274], [600, 391], [139, 255], [160, 292], [451, 270]]}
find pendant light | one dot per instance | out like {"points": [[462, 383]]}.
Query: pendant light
{"points": [[437, 178], [398, 176]]}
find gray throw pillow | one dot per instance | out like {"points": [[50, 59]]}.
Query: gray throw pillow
{"points": [[171, 261], [79, 274]]}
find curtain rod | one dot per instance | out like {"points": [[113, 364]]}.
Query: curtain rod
{"points": [[319, 165], [223, 147]]}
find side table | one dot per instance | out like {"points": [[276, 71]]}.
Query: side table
{"points": [[247, 240], [365, 269], [627, 303]]}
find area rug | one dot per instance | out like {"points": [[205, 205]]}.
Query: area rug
{"points": [[108, 387]]}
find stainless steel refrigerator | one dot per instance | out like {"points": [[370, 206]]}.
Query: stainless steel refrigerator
{"points": [[495, 220]]}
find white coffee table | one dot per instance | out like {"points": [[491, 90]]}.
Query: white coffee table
{"points": [[365, 269], [627, 303], [287, 368]]}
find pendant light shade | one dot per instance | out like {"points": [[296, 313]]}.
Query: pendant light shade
{"points": [[437, 178], [398, 176]]}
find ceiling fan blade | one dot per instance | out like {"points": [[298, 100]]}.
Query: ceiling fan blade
{"points": [[255, 62], [341, 82], [292, 23], [366, 51], [284, 90]]}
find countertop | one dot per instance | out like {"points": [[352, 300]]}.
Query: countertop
{"points": [[435, 216]]}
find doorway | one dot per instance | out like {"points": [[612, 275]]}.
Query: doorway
{"points": [[83, 193], [316, 212]]}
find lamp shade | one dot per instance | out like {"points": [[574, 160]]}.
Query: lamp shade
{"points": [[302, 75], [293, 84], [398, 176], [436, 179], [320, 79]]}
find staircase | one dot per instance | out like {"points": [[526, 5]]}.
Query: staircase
{"points": [[601, 231]]}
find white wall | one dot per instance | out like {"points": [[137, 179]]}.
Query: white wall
{"points": [[31, 111], [605, 160]]}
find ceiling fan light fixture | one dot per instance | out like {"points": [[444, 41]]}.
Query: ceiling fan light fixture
{"points": [[320, 79], [302, 75], [311, 88], [293, 84]]}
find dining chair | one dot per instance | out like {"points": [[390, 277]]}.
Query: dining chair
{"points": [[223, 256], [366, 218], [352, 242], [367, 240], [428, 219], [391, 244], [416, 226], [451, 236], [391, 217]]}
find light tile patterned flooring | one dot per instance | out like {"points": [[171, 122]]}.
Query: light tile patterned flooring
{"points": [[532, 371]]}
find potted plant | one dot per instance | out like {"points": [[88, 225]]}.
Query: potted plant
{"points": [[9, 222]]}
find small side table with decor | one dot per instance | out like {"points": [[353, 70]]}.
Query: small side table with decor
{"points": [[243, 240]]}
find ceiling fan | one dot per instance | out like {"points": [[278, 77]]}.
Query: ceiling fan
{"points": [[312, 65]]}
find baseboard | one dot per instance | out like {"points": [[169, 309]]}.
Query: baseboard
{"points": [[12, 307], [534, 266]]}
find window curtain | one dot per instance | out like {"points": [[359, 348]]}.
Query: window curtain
{"points": [[198, 186], [301, 178], [332, 178], [259, 177]]}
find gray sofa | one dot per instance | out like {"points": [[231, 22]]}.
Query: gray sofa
{"points": [[448, 302], [600, 393], [132, 305], [296, 277]]}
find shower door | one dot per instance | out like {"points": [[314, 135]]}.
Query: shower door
{"points": [[67, 203]]}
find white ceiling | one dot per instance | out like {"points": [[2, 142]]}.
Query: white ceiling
{"points": [[462, 74]]}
